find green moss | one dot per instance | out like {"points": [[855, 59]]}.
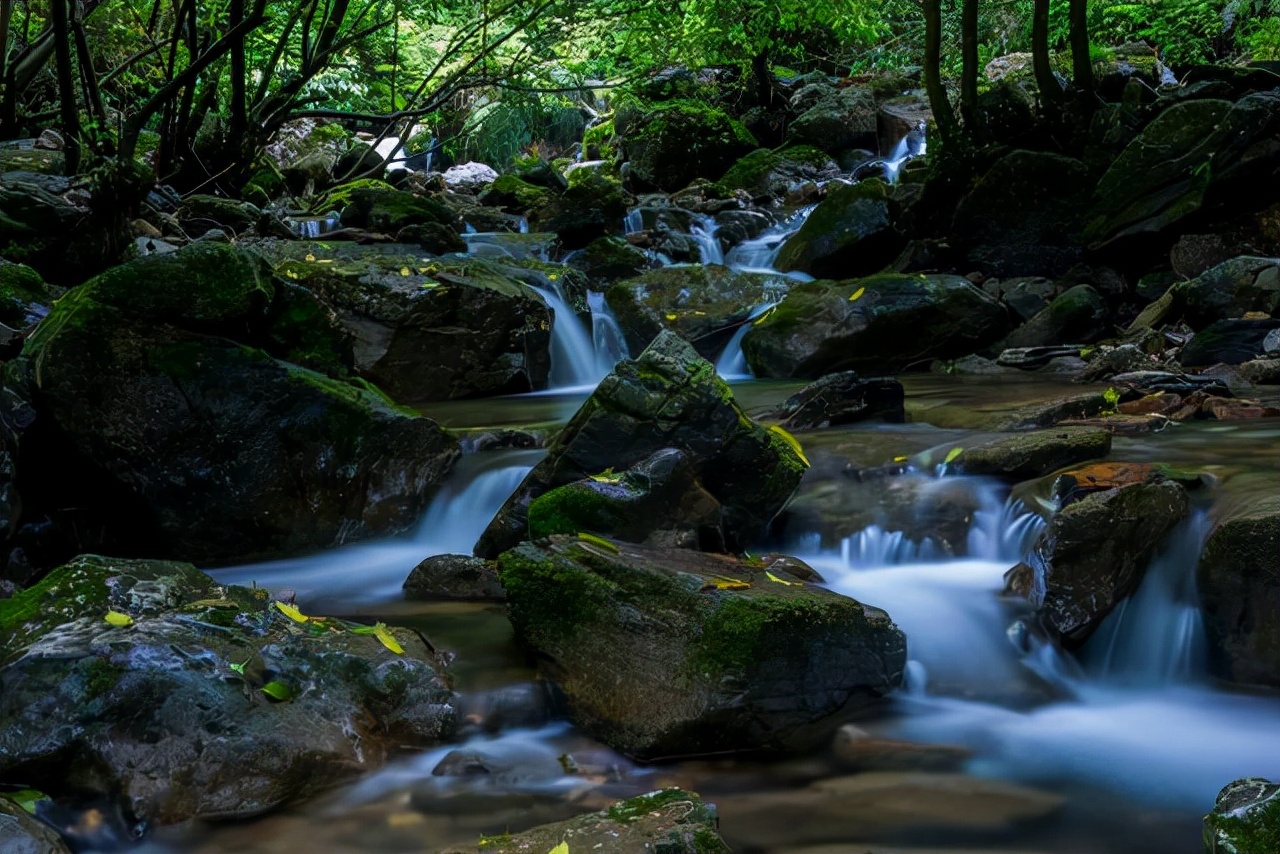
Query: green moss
{"points": [[100, 676], [707, 841], [750, 172], [331, 132], [1257, 832], [741, 630], [339, 197], [513, 194], [601, 138], [577, 507], [632, 809], [391, 210], [20, 288], [555, 596]]}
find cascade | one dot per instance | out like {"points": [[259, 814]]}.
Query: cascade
{"points": [[732, 364], [702, 229], [758, 254], [606, 336], [573, 354]]}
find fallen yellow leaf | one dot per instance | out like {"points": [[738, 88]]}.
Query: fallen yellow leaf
{"points": [[291, 612], [382, 633], [116, 618], [856, 294]]}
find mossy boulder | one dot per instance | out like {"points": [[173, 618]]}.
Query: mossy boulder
{"points": [[388, 211], [1192, 155], [658, 501], [838, 121], [704, 304], [1232, 342], [592, 207], [209, 702], [678, 141], [1230, 289], [199, 213], [1023, 218], [455, 577], [850, 233], [1079, 315], [666, 398], [64, 236], [663, 653], [514, 195], [38, 160], [162, 403], [880, 324], [1239, 580], [608, 258], [1245, 819], [765, 173], [843, 398], [24, 297], [669, 821], [1023, 456], [1095, 551], [431, 330]]}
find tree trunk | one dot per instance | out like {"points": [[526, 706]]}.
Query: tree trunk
{"points": [[66, 82], [1050, 90], [763, 77], [239, 98], [969, 70], [1081, 64], [938, 102]]}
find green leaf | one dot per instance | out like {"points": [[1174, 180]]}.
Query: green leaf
{"points": [[238, 668], [383, 634], [277, 690], [598, 541], [116, 618], [27, 799], [562, 848], [291, 612], [952, 454]]}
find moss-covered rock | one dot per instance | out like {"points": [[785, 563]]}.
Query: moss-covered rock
{"points": [[608, 258], [41, 161], [843, 398], [1230, 289], [598, 141], [665, 653], [431, 330], [1245, 819], [199, 213], [514, 195], [24, 297], [388, 211], [667, 398], [669, 821], [678, 141], [765, 173], [151, 385], [1231, 342], [592, 207], [838, 121], [880, 324], [1239, 579], [1079, 315], [171, 712], [850, 233], [1023, 456], [702, 304], [1023, 217]]}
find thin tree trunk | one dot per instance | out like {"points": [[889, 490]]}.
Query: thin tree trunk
{"points": [[8, 93], [239, 102], [938, 101], [1081, 63], [1050, 89], [969, 56], [92, 95], [763, 77], [66, 82]]}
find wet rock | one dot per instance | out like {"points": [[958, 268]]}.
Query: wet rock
{"points": [[1095, 551], [703, 304], [455, 577], [514, 195], [1193, 254], [664, 653], [837, 121], [1261, 371], [1026, 295], [858, 749], [198, 213], [1239, 579], [1171, 381], [167, 418], [880, 324], [678, 141], [434, 237], [666, 398], [670, 821], [1077, 316], [1232, 342], [1231, 289], [850, 233], [606, 259], [774, 174], [469, 177], [22, 833], [659, 501], [154, 712], [1110, 362], [388, 211], [1023, 217], [843, 398], [434, 330], [1029, 455], [24, 297], [592, 207], [1245, 819], [306, 153]]}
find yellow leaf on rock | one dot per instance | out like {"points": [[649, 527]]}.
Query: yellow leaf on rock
{"points": [[598, 541], [562, 848], [291, 612], [792, 442], [719, 582], [382, 633], [310, 257], [952, 454], [404, 271], [672, 316], [773, 577], [901, 459], [856, 294], [115, 618]]}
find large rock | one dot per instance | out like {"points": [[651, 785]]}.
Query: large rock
{"points": [[838, 121], [209, 702], [667, 821], [843, 398], [1023, 217], [1245, 819], [591, 208], [388, 211], [667, 398], [1096, 549], [1239, 579], [1231, 289], [703, 304], [880, 324], [774, 174], [24, 297], [1190, 155], [1023, 456], [162, 409], [678, 141], [1079, 315], [1232, 342], [664, 653], [850, 233], [432, 331]]}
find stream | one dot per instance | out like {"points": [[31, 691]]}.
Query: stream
{"points": [[1001, 743]]}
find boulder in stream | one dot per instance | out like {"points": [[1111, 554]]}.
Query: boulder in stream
{"points": [[147, 681], [1231, 289], [455, 577], [1239, 580], [662, 653], [850, 233], [675, 142], [1077, 316], [843, 398], [879, 324], [1245, 819], [166, 416], [1023, 456], [669, 397]]}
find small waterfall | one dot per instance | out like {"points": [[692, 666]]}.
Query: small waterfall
{"points": [[1157, 636], [875, 548], [633, 222], [1003, 530], [732, 364], [606, 336], [573, 353], [312, 227], [910, 146], [459, 514], [702, 229], [758, 254]]}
